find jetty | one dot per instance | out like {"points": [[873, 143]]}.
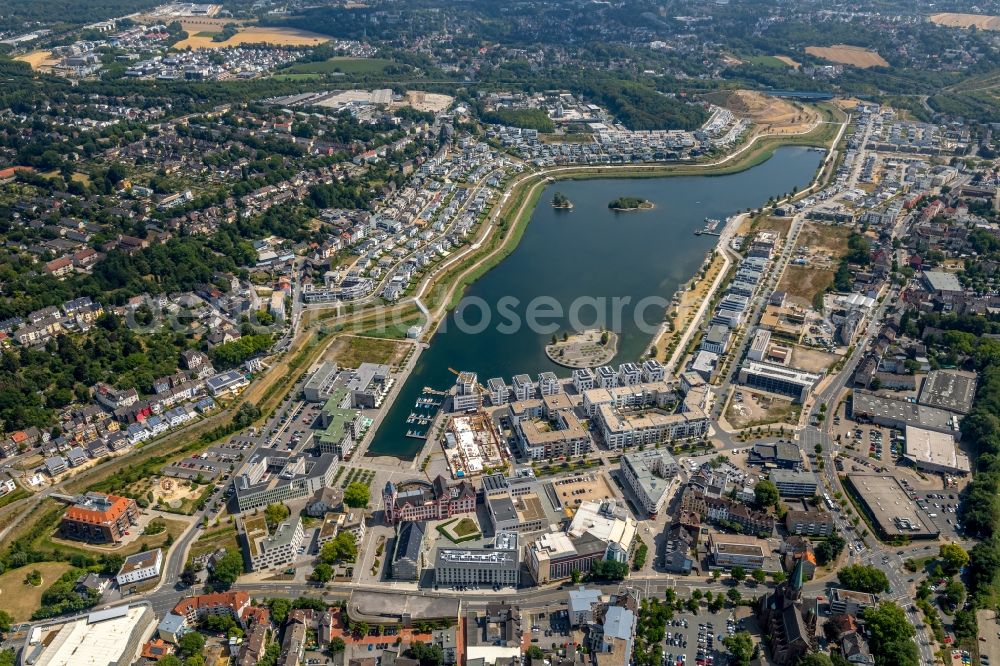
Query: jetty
{"points": [[711, 224]]}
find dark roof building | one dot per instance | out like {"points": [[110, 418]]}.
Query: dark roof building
{"points": [[406, 557]]}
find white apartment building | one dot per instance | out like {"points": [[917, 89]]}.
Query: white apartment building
{"points": [[262, 550]]}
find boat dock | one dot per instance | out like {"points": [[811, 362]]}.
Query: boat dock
{"points": [[711, 224]]}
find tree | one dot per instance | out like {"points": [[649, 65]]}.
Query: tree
{"points": [[766, 493], [169, 660], [190, 644], [891, 634], [5, 621], [740, 646], [575, 576], [862, 578], [189, 576], [279, 610], [738, 573], [226, 570], [275, 514], [815, 659], [342, 548], [356, 495], [336, 645], [608, 570], [427, 655], [322, 573], [953, 558], [778, 577], [758, 575], [734, 595], [535, 652], [954, 592], [716, 575]]}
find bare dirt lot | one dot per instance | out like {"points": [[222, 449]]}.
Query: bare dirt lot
{"points": [[811, 360], [756, 409], [848, 55], [254, 35], [38, 59], [802, 283], [425, 101], [778, 115], [821, 246], [954, 20]]}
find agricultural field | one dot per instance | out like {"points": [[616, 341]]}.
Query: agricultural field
{"points": [[788, 61], [848, 55], [955, 20], [253, 35]]}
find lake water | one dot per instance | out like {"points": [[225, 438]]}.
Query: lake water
{"points": [[591, 259]]}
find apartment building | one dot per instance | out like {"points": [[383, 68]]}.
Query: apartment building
{"points": [[99, 518], [649, 474], [732, 550]]}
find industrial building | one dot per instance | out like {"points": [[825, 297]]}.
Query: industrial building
{"points": [[889, 507], [499, 565], [778, 379], [953, 390], [897, 413], [111, 637], [937, 452]]}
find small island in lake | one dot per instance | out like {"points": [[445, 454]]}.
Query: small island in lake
{"points": [[560, 200], [630, 203]]}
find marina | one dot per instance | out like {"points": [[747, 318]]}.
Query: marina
{"points": [[640, 256], [711, 225]]}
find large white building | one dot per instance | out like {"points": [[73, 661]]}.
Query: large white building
{"points": [[263, 550], [140, 567], [111, 637], [499, 565], [933, 451], [648, 474]]}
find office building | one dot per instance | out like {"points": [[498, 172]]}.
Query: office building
{"points": [[499, 565], [716, 340], [417, 500], [796, 384], [737, 550], [809, 523], [758, 346], [140, 567], [267, 479], [556, 555], [792, 483], [850, 602], [263, 549]]}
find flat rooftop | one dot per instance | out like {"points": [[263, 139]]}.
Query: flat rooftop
{"points": [[389, 607], [97, 638], [935, 448], [903, 411], [953, 390], [888, 505]]}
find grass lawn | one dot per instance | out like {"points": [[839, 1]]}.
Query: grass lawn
{"points": [[766, 61], [393, 331], [223, 536], [342, 65], [351, 351], [15, 495], [296, 77], [206, 33], [20, 599], [465, 527]]}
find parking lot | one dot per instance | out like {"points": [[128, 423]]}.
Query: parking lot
{"points": [[293, 430], [696, 639]]}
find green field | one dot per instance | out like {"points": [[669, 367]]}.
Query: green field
{"points": [[340, 65], [765, 61], [204, 33]]}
